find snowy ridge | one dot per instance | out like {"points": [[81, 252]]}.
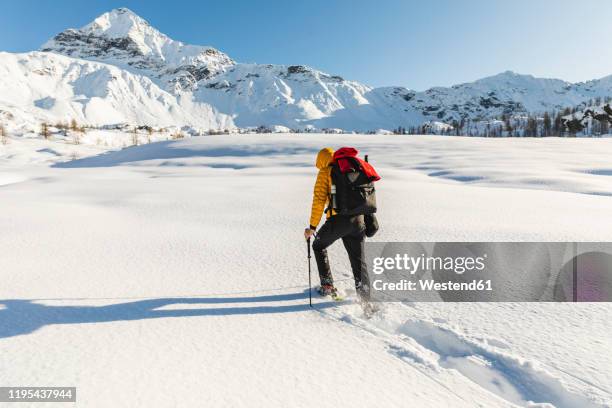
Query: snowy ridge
{"points": [[38, 86], [507, 93], [210, 87], [122, 38], [278, 94]]}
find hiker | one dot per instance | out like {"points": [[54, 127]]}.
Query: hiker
{"points": [[344, 185]]}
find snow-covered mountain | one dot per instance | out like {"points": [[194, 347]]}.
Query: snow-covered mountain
{"points": [[142, 76], [40, 86], [590, 120], [506, 93], [122, 38]]}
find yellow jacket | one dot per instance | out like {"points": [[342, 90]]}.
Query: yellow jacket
{"points": [[322, 188]]}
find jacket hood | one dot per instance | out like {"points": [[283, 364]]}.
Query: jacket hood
{"points": [[324, 158]]}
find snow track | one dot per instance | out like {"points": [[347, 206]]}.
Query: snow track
{"points": [[439, 351]]}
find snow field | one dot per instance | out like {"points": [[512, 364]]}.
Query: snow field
{"points": [[174, 273]]}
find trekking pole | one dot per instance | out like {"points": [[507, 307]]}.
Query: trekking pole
{"points": [[309, 278]]}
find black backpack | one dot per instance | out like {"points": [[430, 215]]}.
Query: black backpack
{"points": [[354, 191]]}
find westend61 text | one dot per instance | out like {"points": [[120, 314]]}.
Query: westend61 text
{"points": [[430, 284]]}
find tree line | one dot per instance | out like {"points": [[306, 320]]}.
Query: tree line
{"points": [[588, 119]]}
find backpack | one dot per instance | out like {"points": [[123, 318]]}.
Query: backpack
{"points": [[352, 191]]}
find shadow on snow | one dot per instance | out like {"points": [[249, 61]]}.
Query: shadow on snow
{"points": [[24, 316], [168, 150]]}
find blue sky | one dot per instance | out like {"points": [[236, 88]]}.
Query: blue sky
{"points": [[417, 44]]}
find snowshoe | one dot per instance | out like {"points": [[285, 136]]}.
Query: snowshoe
{"points": [[331, 291]]}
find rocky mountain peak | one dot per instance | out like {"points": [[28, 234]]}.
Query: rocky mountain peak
{"points": [[121, 37]]}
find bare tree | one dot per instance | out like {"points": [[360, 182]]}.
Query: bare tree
{"points": [[63, 128], [3, 135], [547, 124], [531, 129], [76, 138], [44, 131], [178, 135], [135, 136]]}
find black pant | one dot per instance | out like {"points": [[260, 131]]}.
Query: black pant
{"points": [[352, 231]]}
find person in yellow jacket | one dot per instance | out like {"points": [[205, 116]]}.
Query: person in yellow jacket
{"points": [[350, 228]]}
